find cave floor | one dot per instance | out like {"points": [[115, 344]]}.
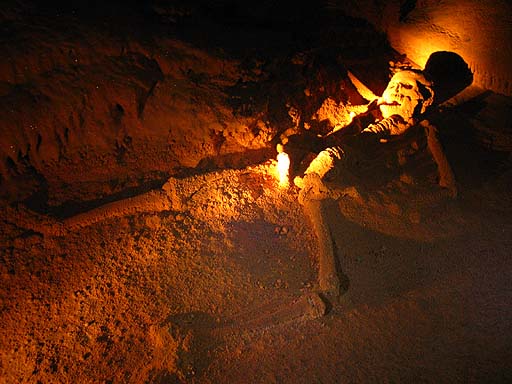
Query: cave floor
{"points": [[217, 293], [223, 287]]}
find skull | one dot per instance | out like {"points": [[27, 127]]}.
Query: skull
{"points": [[408, 95]]}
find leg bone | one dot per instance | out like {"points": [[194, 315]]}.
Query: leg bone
{"points": [[328, 277], [446, 176]]}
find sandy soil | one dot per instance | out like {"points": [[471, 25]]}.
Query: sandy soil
{"points": [[145, 238]]}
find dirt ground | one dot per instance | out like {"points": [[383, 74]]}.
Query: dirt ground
{"points": [[144, 237]]}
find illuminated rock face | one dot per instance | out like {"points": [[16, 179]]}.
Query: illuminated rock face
{"points": [[479, 31]]}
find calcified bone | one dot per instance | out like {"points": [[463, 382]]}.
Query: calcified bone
{"points": [[268, 317], [328, 277], [446, 177], [279, 312], [361, 88], [408, 95], [153, 201], [388, 127], [164, 199], [321, 165], [402, 103], [314, 196]]}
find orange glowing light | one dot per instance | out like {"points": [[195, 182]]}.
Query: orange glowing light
{"points": [[283, 167]]}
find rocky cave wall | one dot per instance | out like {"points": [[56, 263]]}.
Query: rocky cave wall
{"points": [[116, 99], [94, 97], [479, 31], [108, 97]]}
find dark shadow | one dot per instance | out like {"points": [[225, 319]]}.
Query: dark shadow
{"points": [[237, 160], [38, 201], [473, 162], [193, 360], [406, 8], [450, 74]]}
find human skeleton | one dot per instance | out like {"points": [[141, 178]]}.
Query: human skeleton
{"points": [[402, 105]]}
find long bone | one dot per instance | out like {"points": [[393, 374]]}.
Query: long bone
{"points": [[165, 199], [446, 176], [328, 277], [316, 199]]}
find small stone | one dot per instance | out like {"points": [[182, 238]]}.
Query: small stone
{"points": [[406, 179], [415, 217]]}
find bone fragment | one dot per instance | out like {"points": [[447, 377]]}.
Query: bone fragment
{"points": [[361, 88], [153, 201], [303, 308], [328, 278], [446, 176]]}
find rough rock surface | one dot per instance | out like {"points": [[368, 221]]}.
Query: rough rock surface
{"points": [[144, 237], [479, 31]]}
